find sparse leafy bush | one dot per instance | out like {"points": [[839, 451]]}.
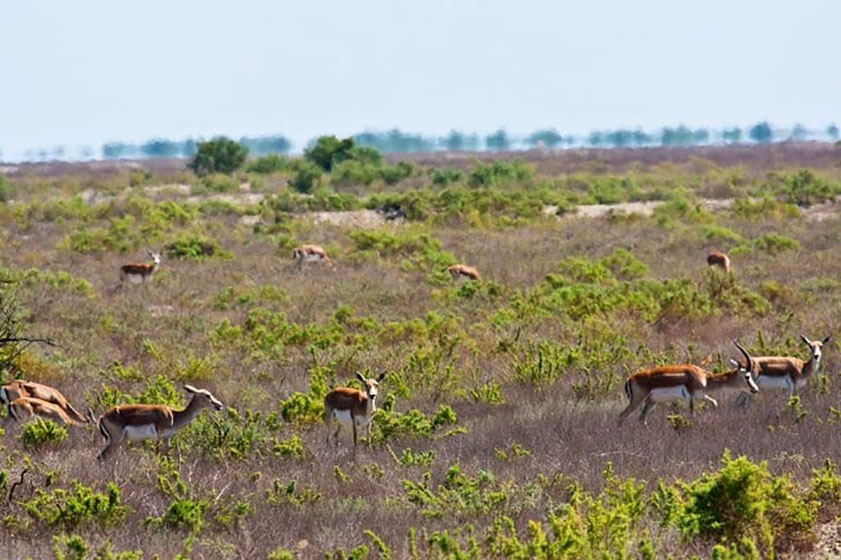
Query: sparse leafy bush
{"points": [[42, 431]]}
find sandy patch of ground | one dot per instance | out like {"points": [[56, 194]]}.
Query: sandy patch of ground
{"points": [[359, 219]]}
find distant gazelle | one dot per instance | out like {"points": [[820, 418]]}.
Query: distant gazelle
{"points": [[352, 406], [310, 254], [784, 372], [683, 382], [143, 421], [23, 409], [464, 272], [138, 273], [29, 389], [719, 259]]}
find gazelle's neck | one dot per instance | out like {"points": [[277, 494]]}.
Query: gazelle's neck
{"points": [[811, 366], [181, 418]]}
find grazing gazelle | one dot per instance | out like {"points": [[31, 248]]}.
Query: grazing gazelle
{"points": [[352, 406], [683, 382], [29, 389], [784, 372], [23, 408], [137, 273], [717, 258], [310, 253], [143, 421], [464, 272]]}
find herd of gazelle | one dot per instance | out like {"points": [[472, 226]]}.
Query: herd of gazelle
{"points": [[668, 383]]}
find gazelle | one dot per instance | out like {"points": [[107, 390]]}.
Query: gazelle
{"points": [[464, 272], [717, 258], [783, 372], [684, 382], [29, 389], [24, 408], [143, 421], [138, 273], [344, 405], [310, 253]]}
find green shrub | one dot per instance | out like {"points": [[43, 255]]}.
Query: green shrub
{"points": [[80, 504], [181, 513], [265, 165], [5, 189], [500, 173], [329, 151], [195, 247], [42, 431], [220, 155], [307, 177]]}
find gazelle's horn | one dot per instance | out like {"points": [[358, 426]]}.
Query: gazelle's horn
{"points": [[745, 352]]}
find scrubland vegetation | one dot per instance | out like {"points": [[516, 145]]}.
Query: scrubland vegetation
{"points": [[496, 432]]}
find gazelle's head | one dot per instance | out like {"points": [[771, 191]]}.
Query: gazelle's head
{"points": [[156, 257], [815, 346], [371, 384], [749, 370], [206, 398]]}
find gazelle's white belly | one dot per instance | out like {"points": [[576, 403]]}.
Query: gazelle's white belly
{"points": [[134, 278], [136, 433], [668, 394], [343, 416], [783, 382]]}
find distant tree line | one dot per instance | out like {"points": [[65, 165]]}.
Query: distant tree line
{"points": [[396, 141], [161, 148]]}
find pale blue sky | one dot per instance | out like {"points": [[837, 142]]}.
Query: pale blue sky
{"points": [[86, 72]]}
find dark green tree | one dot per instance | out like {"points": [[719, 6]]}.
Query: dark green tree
{"points": [[832, 132], [548, 138], [220, 155], [307, 177], [454, 141], [498, 141], [761, 132], [732, 135], [160, 148], [327, 151]]}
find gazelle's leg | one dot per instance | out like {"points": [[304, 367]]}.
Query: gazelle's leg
{"points": [[369, 434], [742, 399], [112, 445], [649, 406], [353, 423], [629, 409], [710, 399]]}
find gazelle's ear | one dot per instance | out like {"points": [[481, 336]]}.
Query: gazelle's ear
{"points": [[805, 339], [190, 389], [361, 378], [382, 376], [825, 340]]}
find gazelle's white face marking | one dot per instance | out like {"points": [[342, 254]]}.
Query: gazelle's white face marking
{"points": [[137, 433], [156, 257], [749, 380]]}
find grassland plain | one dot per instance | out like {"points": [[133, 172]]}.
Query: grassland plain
{"points": [[496, 432]]}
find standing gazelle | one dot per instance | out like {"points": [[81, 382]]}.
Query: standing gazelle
{"points": [[311, 254], [784, 372], [344, 405], [29, 389], [143, 421], [138, 273], [683, 382], [464, 272], [719, 259]]}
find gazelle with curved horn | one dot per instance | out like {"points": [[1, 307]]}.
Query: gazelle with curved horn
{"points": [[352, 406], [22, 409], [29, 389], [143, 421], [682, 382], [786, 372], [138, 273]]}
